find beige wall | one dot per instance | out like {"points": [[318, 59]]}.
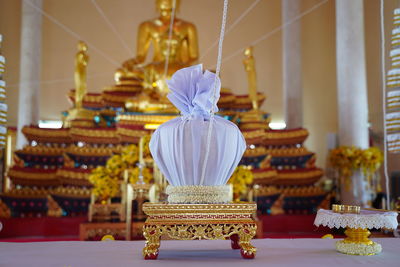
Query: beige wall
{"points": [[319, 76], [318, 52]]}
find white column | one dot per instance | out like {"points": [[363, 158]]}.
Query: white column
{"points": [[352, 88], [292, 73], [30, 67]]}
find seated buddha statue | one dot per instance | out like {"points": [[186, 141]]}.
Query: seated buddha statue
{"points": [[181, 49]]}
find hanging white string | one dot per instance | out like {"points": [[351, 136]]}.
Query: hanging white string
{"points": [[269, 34], [114, 30], [231, 27], [213, 99], [170, 30], [383, 69], [74, 34]]}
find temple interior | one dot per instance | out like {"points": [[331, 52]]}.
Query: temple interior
{"points": [[312, 86]]}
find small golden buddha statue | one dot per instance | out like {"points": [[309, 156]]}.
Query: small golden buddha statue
{"points": [[80, 77], [252, 119], [81, 61], [250, 67], [181, 50]]}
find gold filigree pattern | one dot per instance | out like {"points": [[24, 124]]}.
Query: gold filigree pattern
{"points": [[286, 137], [41, 150], [257, 151], [145, 118], [72, 174], [302, 177], [129, 132], [47, 135], [200, 221], [93, 151]]}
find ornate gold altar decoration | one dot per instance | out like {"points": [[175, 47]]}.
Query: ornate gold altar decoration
{"points": [[357, 221], [200, 221], [347, 159]]}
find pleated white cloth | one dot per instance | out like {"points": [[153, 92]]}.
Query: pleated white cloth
{"points": [[179, 145]]}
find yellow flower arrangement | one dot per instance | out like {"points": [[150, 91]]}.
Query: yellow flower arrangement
{"points": [[105, 186], [240, 179], [134, 175], [105, 179], [372, 159], [115, 165], [130, 155], [347, 159]]}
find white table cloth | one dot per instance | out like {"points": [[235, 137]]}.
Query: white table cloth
{"points": [[205, 253]]}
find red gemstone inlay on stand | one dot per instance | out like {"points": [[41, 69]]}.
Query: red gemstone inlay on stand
{"points": [[235, 241]]}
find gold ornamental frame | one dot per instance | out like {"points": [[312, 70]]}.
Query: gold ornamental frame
{"points": [[200, 221]]}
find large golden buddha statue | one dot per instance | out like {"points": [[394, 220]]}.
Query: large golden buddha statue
{"points": [[181, 50]]}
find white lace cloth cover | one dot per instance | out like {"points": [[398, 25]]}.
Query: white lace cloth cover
{"points": [[366, 219]]}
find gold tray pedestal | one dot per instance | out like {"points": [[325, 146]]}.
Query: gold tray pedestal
{"points": [[200, 221], [357, 222], [358, 243]]}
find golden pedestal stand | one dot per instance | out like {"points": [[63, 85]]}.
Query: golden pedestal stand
{"points": [[357, 222], [200, 221], [358, 243]]}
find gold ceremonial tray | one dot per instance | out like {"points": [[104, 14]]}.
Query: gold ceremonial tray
{"points": [[200, 221]]}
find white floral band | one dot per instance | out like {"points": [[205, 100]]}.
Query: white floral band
{"points": [[199, 194], [358, 249]]}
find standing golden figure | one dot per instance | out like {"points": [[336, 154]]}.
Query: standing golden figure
{"points": [[79, 116], [181, 50], [250, 67], [81, 62], [254, 118]]}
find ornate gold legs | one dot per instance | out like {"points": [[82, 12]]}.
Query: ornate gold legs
{"points": [[357, 243], [152, 235], [200, 221], [247, 250]]}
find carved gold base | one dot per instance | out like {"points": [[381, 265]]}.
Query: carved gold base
{"points": [[200, 221], [358, 243]]}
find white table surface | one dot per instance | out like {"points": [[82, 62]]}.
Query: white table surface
{"points": [[205, 253]]}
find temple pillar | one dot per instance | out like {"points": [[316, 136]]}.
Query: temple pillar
{"points": [[352, 90], [292, 71], [30, 67]]}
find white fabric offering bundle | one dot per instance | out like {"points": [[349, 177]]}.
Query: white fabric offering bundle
{"points": [[179, 145]]}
